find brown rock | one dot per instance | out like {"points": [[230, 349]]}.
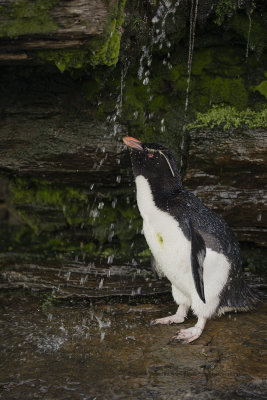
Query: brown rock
{"points": [[227, 171]]}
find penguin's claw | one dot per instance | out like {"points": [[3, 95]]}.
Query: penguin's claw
{"points": [[172, 319], [188, 335]]}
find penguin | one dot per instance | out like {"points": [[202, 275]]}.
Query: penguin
{"points": [[190, 244]]}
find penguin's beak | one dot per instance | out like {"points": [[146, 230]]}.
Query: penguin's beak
{"points": [[132, 143]]}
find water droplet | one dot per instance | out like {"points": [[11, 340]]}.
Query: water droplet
{"points": [[100, 205], [94, 213], [118, 178], [67, 276], [82, 281], [135, 114], [146, 81], [110, 258], [114, 202], [101, 283]]}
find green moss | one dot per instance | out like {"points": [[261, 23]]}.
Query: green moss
{"points": [[105, 50], [134, 105], [41, 193], [258, 35], [262, 88], [52, 214], [223, 9], [229, 118], [33, 17], [222, 90], [28, 17], [90, 88], [66, 59], [202, 60]]}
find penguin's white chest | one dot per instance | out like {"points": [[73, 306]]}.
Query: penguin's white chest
{"points": [[165, 238]]}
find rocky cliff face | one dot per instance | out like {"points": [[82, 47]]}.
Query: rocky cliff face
{"points": [[68, 96], [227, 170]]}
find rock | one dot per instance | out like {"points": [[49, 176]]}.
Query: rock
{"points": [[227, 171], [118, 353], [68, 184], [70, 33]]}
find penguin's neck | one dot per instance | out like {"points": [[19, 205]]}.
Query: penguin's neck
{"points": [[155, 192]]}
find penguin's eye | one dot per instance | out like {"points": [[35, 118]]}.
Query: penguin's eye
{"points": [[150, 155]]}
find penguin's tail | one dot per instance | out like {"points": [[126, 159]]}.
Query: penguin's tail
{"points": [[239, 298]]}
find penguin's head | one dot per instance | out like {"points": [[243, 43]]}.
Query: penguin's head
{"points": [[153, 161]]}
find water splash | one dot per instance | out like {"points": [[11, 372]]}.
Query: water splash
{"points": [[102, 325]]}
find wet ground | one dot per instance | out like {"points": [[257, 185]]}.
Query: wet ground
{"points": [[102, 351]]}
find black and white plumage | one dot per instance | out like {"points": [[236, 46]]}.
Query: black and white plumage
{"points": [[190, 244]]}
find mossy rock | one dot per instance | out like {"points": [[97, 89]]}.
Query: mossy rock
{"points": [[27, 17], [228, 118], [262, 87], [97, 221], [105, 50], [251, 28]]}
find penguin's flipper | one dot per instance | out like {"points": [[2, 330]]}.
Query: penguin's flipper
{"points": [[198, 254], [155, 267]]}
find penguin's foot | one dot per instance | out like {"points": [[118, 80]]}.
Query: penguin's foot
{"points": [[188, 335], [177, 318], [172, 319]]}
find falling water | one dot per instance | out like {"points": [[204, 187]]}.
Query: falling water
{"points": [[118, 105], [193, 20], [249, 31], [113, 121], [158, 37]]}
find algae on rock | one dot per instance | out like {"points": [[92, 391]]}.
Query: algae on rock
{"points": [[25, 17]]}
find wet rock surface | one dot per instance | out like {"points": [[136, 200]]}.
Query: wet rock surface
{"points": [[111, 351], [86, 280], [227, 170], [28, 28]]}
